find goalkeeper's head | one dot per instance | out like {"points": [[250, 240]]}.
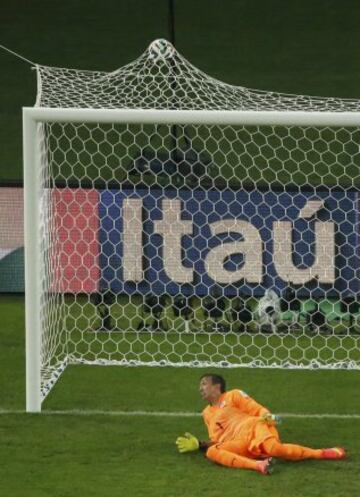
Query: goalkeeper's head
{"points": [[211, 387]]}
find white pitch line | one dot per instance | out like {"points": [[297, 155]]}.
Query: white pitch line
{"points": [[169, 414]]}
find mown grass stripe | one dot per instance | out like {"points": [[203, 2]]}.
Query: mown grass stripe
{"points": [[174, 414]]}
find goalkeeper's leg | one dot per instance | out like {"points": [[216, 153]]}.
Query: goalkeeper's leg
{"points": [[274, 448], [227, 454]]}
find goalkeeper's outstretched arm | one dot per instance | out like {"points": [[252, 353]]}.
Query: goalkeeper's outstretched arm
{"points": [[189, 443]]}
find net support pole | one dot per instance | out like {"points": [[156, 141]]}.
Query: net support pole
{"points": [[32, 262]]}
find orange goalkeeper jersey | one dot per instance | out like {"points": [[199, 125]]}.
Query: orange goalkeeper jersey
{"points": [[235, 416]]}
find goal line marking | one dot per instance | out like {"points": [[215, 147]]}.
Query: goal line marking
{"points": [[169, 414]]}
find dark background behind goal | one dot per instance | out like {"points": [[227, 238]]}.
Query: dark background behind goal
{"points": [[301, 47]]}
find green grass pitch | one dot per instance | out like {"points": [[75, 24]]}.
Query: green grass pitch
{"points": [[75, 448]]}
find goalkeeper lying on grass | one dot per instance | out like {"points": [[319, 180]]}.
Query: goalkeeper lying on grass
{"points": [[243, 433]]}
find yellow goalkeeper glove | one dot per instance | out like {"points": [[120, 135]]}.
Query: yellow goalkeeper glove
{"points": [[187, 443], [271, 419]]}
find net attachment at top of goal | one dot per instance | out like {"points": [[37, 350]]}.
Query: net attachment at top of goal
{"points": [[161, 78]]}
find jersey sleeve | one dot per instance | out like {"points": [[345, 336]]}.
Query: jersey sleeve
{"points": [[246, 404], [206, 419]]}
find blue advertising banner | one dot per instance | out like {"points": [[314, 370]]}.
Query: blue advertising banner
{"points": [[168, 241]]}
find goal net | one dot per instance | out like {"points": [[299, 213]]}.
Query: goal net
{"points": [[172, 219]]}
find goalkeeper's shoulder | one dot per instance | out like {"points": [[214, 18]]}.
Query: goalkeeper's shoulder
{"points": [[206, 415]]}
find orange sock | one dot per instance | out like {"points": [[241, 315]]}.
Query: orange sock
{"points": [[227, 458], [274, 448]]}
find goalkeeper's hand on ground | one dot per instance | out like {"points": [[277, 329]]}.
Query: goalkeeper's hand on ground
{"points": [[187, 443], [271, 419]]}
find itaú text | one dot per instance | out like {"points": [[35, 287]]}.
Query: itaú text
{"points": [[172, 229]]}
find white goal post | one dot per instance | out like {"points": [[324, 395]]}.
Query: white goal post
{"points": [[129, 209]]}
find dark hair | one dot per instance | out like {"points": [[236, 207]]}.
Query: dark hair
{"points": [[216, 379]]}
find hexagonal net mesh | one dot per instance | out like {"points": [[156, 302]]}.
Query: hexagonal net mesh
{"points": [[195, 244]]}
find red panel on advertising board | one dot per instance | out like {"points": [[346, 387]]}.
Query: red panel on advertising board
{"points": [[77, 248]]}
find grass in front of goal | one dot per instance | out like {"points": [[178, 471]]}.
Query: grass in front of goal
{"points": [[94, 455], [74, 450]]}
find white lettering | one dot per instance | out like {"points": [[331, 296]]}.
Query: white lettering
{"points": [[172, 229], [251, 247], [323, 268], [132, 240]]}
